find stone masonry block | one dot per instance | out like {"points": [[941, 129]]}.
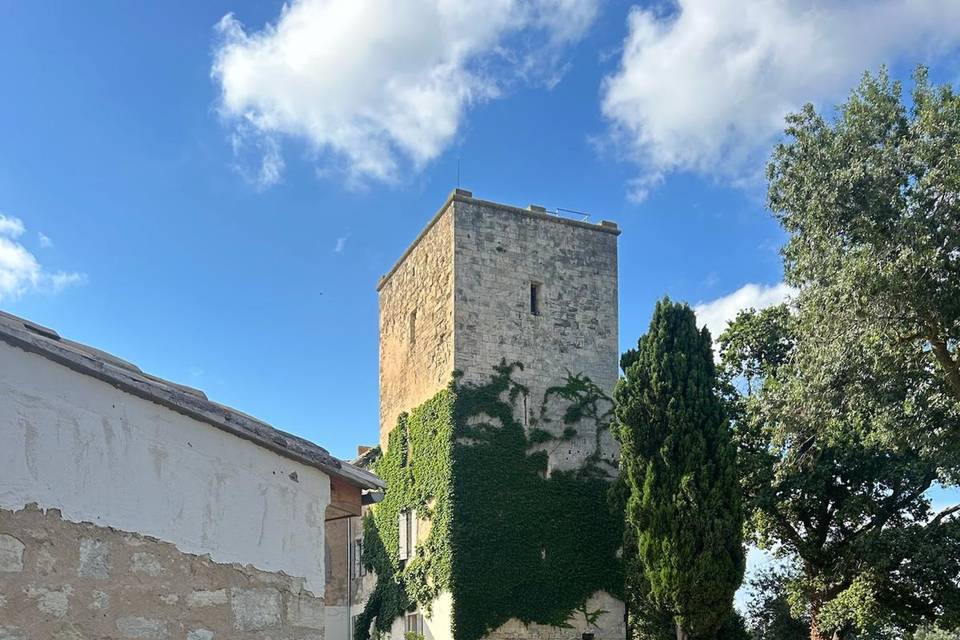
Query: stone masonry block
{"points": [[51, 602], [207, 598], [12, 633], [255, 609], [146, 628], [304, 610], [11, 554], [94, 559], [146, 563]]}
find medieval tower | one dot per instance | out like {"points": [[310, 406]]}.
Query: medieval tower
{"points": [[498, 357]]}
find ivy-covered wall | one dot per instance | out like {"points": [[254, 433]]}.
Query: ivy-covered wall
{"points": [[507, 538], [417, 467]]}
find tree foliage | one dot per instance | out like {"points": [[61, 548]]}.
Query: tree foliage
{"points": [[872, 205], [834, 489], [847, 405], [769, 612], [932, 633], [679, 464]]}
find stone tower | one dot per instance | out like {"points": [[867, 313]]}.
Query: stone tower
{"points": [[486, 283], [462, 297]]}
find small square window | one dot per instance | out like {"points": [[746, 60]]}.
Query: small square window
{"points": [[535, 295]]}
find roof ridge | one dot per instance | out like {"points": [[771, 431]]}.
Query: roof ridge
{"points": [[35, 338]]}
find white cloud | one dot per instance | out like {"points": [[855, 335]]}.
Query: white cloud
{"points": [[20, 271], [10, 226], [57, 282], [716, 314], [257, 158], [377, 84], [341, 244], [705, 88], [45, 241]]}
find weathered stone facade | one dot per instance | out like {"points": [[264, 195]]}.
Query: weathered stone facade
{"points": [[611, 624], [416, 324], [500, 252], [460, 299], [61, 580]]}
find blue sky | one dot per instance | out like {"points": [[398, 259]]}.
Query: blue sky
{"points": [[214, 198]]}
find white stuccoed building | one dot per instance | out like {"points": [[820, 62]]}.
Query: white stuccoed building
{"points": [[133, 507]]}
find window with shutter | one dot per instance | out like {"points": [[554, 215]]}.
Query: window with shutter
{"points": [[414, 623], [361, 568], [403, 526], [412, 533], [407, 528], [356, 559]]}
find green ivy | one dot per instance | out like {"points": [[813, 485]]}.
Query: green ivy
{"points": [[389, 599], [507, 539], [416, 468]]}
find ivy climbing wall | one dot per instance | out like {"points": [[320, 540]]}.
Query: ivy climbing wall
{"points": [[522, 551]]}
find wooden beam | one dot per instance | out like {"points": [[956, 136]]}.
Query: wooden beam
{"points": [[345, 499]]}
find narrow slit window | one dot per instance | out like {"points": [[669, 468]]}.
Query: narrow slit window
{"points": [[535, 298], [413, 328]]}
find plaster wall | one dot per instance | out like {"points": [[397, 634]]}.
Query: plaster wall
{"points": [[337, 625], [436, 626], [98, 455]]}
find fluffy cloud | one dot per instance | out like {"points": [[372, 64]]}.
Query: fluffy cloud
{"points": [[10, 226], [20, 271], [716, 314], [705, 87], [377, 84]]}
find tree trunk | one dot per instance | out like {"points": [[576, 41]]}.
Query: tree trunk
{"points": [[950, 366], [681, 634], [815, 633]]}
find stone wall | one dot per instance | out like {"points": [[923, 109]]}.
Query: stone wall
{"points": [[500, 251], [416, 354], [467, 278], [61, 580], [609, 625]]}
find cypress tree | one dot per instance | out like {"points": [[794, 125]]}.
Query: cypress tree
{"points": [[684, 518]]}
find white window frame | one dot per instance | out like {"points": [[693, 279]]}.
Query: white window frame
{"points": [[407, 528], [416, 618]]}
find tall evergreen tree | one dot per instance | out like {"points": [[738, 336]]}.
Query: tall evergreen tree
{"points": [[683, 512]]}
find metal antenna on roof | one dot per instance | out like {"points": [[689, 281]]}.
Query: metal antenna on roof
{"points": [[583, 214]]}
